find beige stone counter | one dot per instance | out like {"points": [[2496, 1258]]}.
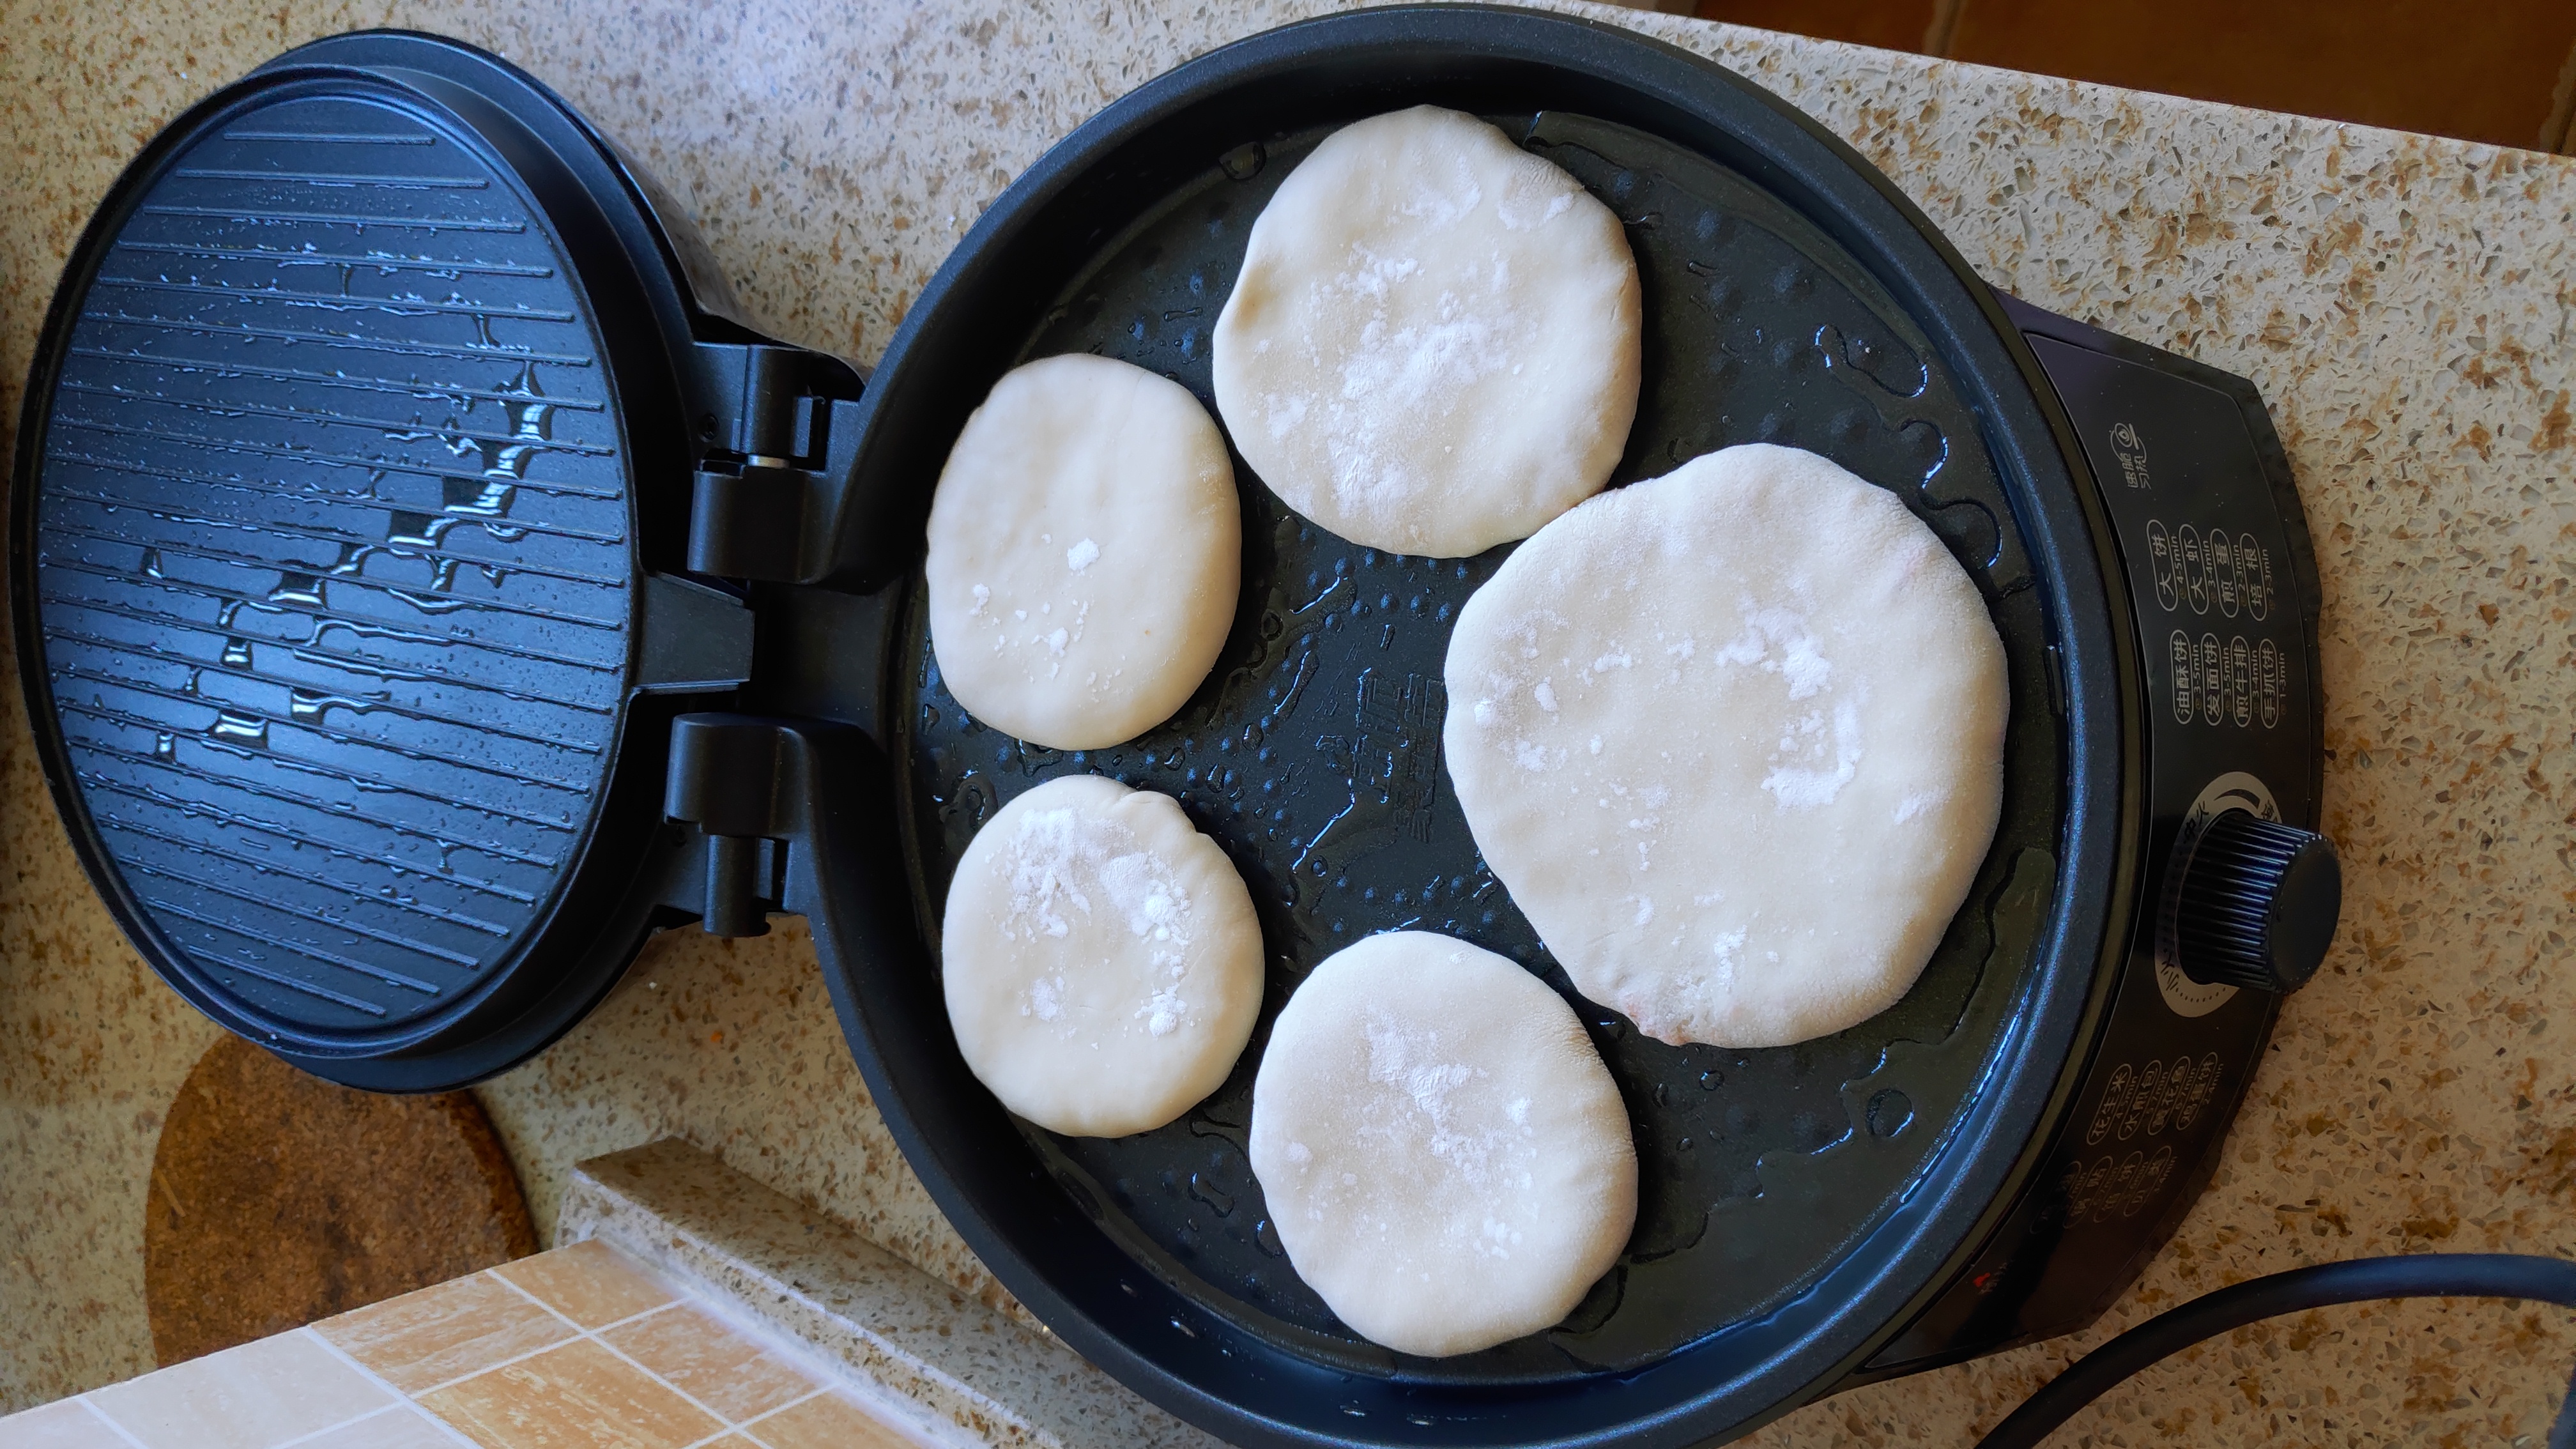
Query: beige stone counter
{"points": [[2405, 303]]}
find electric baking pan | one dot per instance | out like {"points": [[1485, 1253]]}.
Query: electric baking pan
{"points": [[427, 583]]}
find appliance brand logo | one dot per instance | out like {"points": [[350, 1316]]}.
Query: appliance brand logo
{"points": [[2132, 455]]}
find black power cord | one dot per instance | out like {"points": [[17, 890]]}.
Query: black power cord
{"points": [[2422, 1275]]}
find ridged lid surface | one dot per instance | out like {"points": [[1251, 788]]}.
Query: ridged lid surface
{"points": [[334, 576]]}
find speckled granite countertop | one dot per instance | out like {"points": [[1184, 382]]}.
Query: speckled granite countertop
{"points": [[2404, 302]]}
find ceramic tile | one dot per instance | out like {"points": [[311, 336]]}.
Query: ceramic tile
{"points": [[443, 1333], [944, 1363], [406, 1427], [62, 1424], [725, 1370], [252, 1397], [828, 1421], [579, 1396], [587, 1283]]}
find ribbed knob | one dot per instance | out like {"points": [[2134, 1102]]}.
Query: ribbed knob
{"points": [[2258, 904]]}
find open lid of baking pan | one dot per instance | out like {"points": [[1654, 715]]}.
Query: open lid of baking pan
{"points": [[353, 492]]}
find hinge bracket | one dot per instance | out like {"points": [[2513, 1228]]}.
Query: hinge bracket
{"points": [[738, 778], [780, 431]]}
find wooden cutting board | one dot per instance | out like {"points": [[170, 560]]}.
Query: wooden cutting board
{"points": [[279, 1198]]}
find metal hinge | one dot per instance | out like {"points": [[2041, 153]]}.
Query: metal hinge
{"points": [[780, 429], [734, 777], [788, 815]]}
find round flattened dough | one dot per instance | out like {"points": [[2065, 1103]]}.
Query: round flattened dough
{"points": [[1733, 739], [1086, 548], [1100, 958], [1433, 344], [1445, 1156]]}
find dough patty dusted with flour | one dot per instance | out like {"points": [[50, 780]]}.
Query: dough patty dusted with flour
{"points": [[1433, 345], [1733, 740], [1086, 548], [1100, 958], [1444, 1154]]}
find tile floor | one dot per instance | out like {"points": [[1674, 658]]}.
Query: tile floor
{"points": [[578, 1348]]}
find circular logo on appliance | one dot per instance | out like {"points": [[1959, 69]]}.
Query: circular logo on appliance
{"points": [[2234, 790]]}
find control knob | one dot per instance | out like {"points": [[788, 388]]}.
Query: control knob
{"points": [[2258, 903]]}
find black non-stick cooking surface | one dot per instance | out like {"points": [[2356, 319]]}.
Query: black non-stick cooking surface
{"points": [[1792, 294], [1312, 755]]}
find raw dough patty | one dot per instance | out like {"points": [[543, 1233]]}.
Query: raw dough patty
{"points": [[1433, 345], [1445, 1156], [1733, 739], [1100, 958], [1086, 547]]}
